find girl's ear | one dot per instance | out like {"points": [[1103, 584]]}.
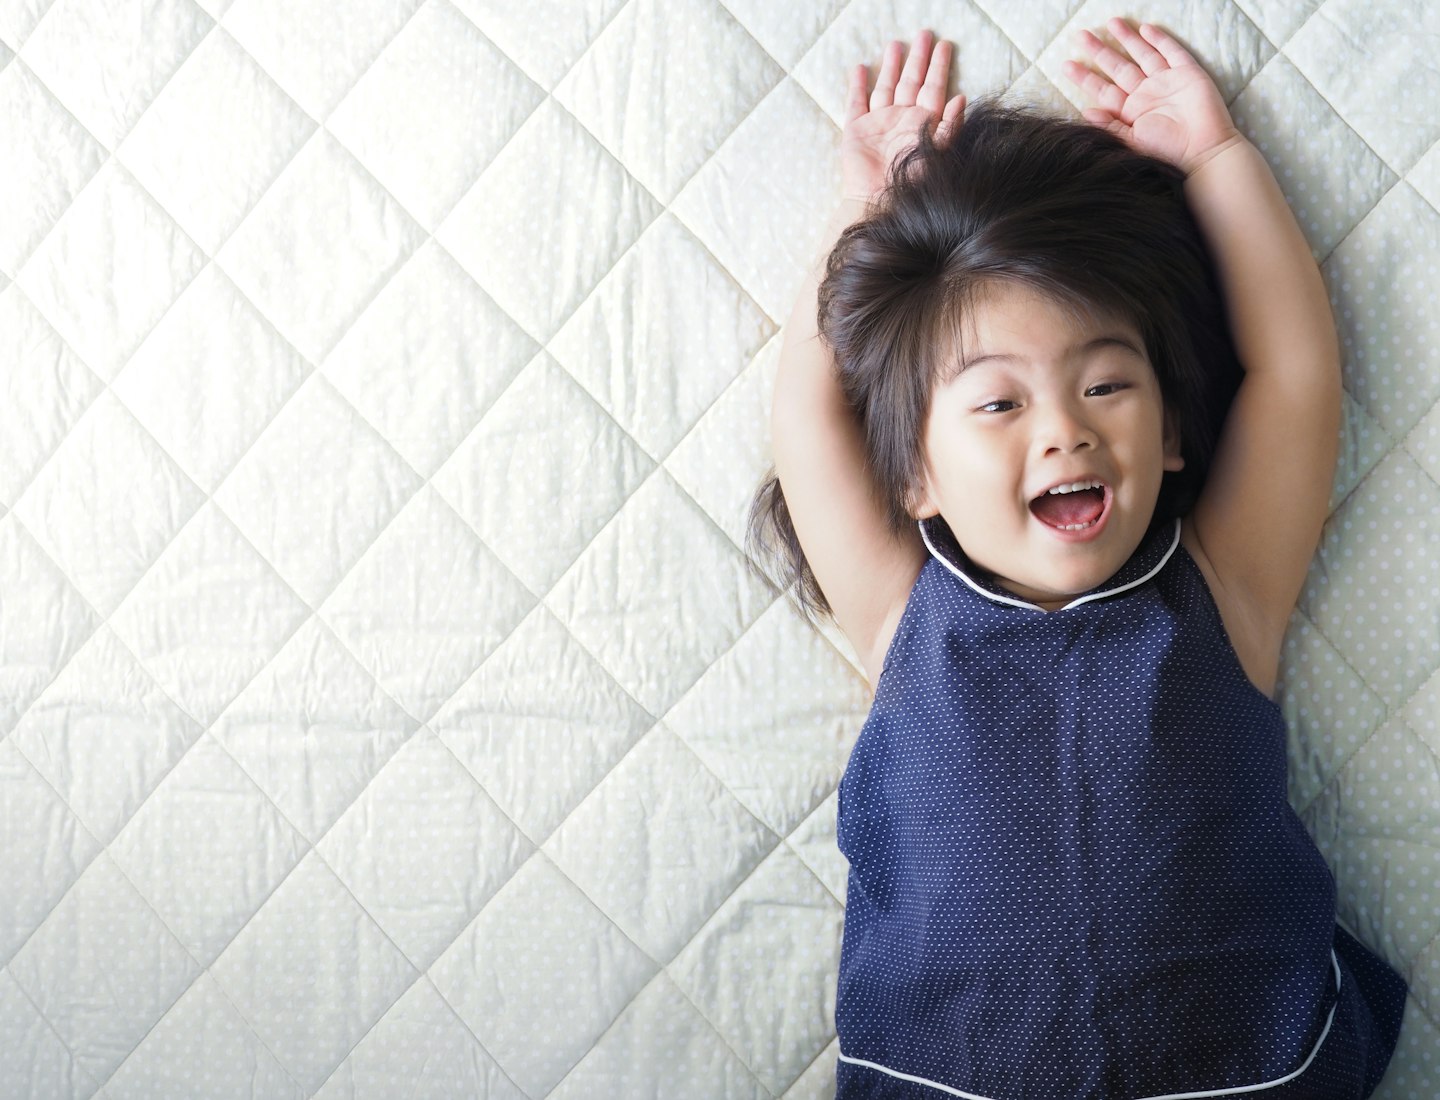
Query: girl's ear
{"points": [[1174, 460], [920, 501]]}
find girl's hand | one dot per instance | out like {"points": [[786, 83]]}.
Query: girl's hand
{"points": [[1161, 102], [882, 126]]}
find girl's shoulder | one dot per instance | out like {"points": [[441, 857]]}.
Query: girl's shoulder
{"points": [[1256, 646]]}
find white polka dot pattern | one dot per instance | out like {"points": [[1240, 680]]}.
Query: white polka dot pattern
{"points": [[1073, 865]]}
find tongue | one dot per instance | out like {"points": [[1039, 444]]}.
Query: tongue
{"points": [[1065, 509]]}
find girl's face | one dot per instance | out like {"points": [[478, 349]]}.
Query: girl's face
{"points": [[1044, 402]]}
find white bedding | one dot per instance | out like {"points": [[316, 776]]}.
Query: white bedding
{"points": [[385, 707]]}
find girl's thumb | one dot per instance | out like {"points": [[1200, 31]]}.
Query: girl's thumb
{"points": [[950, 118]]}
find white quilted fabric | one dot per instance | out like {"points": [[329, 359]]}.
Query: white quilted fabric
{"points": [[385, 706]]}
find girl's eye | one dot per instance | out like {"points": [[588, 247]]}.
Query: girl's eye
{"points": [[1104, 389], [996, 406]]}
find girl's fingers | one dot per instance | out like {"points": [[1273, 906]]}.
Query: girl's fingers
{"points": [[1109, 97], [932, 95], [1174, 54], [856, 102], [884, 93], [923, 82], [915, 66], [1117, 66], [1150, 60]]}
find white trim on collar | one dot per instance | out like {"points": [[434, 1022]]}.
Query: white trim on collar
{"points": [[1015, 601]]}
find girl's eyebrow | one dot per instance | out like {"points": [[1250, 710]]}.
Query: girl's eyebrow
{"points": [[1079, 350]]}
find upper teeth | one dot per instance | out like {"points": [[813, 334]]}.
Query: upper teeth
{"points": [[1076, 486]]}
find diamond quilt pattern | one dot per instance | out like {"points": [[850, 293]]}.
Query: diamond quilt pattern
{"points": [[385, 704]]}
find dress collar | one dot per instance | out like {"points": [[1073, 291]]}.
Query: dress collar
{"points": [[1149, 558]]}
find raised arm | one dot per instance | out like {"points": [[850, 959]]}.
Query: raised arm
{"points": [[864, 571], [1259, 517]]}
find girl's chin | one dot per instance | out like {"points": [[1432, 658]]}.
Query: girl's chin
{"points": [[1061, 589], [1050, 601]]}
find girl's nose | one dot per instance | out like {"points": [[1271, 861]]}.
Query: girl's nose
{"points": [[1064, 429]]}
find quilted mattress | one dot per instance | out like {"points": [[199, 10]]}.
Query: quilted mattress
{"points": [[386, 708]]}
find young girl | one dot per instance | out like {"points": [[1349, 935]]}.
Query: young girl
{"points": [[1023, 469]]}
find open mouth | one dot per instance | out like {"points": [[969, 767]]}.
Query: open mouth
{"points": [[1073, 506]]}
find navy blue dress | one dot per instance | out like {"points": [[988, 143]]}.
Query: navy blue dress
{"points": [[1074, 871]]}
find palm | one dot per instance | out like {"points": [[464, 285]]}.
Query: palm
{"points": [[1176, 114], [874, 141]]}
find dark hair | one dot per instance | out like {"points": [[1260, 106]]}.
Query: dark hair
{"points": [[1016, 196]]}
